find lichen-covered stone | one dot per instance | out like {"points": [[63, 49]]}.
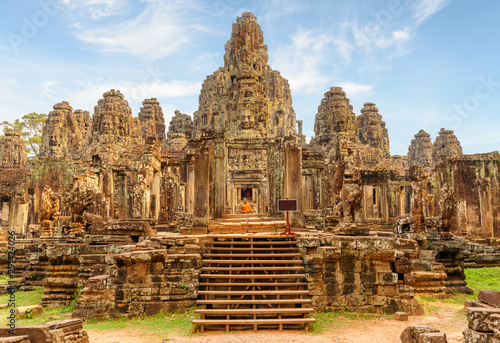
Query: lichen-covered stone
{"points": [[13, 150], [445, 145], [420, 151]]}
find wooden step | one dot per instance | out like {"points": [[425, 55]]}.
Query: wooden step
{"points": [[253, 301], [255, 284], [253, 321], [252, 261], [260, 292], [253, 249], [257, 276], [294, 243], [251, 268], [254, 311], [254, 255]]}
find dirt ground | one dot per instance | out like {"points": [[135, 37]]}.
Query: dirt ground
{"points": [[448, 318]]}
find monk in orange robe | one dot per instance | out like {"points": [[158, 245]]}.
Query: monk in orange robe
{"points": [[246, 208]]}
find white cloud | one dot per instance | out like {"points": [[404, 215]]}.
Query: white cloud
{"points": [[162, 29], [356, 89], [96, 9], [47, 91], [135, 93], [300, 62], [424, 9], [402, 35]]}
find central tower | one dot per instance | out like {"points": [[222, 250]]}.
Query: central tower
{"points": [[246, 123]]}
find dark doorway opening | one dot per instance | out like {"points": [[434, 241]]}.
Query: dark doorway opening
{"points": [[246, 193]]}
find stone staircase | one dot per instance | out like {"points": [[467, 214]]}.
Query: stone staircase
{"points": [[252, 282], [246, 223]]}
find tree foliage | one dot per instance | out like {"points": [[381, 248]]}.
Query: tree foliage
{"points": [[30, 126]]}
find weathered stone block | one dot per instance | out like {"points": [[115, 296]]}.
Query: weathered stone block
{"points": [[402, 316], [494, 324], [471, 336], [491, 298], [432, 337], [29, 311], [386, 290], [478, 317], [475, 303], [412, 333]]}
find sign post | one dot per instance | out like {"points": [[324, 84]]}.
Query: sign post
{"points": [[287, 205]]}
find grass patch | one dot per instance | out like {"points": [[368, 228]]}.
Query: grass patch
{"points": [[478, 279], [161, 324], [483, 278], [33, 298], [4, 279]]}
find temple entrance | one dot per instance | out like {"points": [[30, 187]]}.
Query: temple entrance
{"points": [[247, 186], [246, 193]]}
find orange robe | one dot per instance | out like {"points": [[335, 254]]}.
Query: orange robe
{"points": [[246, 208]]}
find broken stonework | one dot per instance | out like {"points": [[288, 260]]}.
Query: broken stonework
{"points": [[420, 333], [420, 151], [12, 150], [59, 331], [372, 130], [335, 116], [65, 132], [446, 145], [491, 298], [152, 120]]}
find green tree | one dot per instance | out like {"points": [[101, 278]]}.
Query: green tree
{"points": [[30, 126]]}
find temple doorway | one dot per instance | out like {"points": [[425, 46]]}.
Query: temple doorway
{"points": [[246, 193]]}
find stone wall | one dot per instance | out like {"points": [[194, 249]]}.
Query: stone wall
{"points": [[476, 184], [364, 274], [144, 282]]}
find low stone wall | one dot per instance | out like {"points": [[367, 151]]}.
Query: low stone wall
{"points": [[365, 274]]}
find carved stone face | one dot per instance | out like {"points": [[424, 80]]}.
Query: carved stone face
{"points": [[106, 125], [246, 119]]}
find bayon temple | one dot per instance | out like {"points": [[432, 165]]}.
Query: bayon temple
{"points": [[143, 219]]}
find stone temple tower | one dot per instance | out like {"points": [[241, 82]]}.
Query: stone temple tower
{"points": [[246, 97], [246, 123]]}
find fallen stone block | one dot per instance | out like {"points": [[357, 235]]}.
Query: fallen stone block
{"points": [[494, 324], [432, 337], [491, 298], [475, 303], [29, 311], [478, 318], [412, 333], [402, 316], [471, 336]]}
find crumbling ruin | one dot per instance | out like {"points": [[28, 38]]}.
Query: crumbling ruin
{"points": [[118, 208]]}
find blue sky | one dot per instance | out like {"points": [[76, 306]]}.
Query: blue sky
{"points": [[427, 64]]}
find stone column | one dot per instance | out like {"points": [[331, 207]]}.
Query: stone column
{"points": [[201, 187], [220, 178], [293, 183], [485, 208]]}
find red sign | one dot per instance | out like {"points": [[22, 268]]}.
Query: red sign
{"points": [[288, 205]]}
